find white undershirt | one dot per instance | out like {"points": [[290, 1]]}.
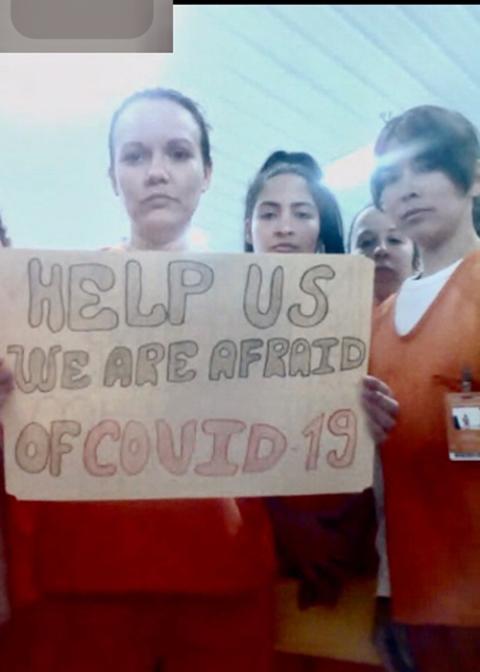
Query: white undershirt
{"points": [[416, 296]]}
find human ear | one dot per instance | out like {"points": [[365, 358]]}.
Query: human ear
{"points": [[208, 178], [475, 189], [113, 180], [248, 231]]}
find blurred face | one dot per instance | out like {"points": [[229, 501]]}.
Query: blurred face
{"points": [[158, 170], [424, 202], [285, 217], [376, 236]]}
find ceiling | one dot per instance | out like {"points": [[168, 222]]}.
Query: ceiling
{"points": [[316, 78]]}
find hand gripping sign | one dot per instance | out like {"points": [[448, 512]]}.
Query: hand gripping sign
{"points": [[160, 375]]}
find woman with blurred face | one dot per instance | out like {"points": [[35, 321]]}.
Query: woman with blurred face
{"points": [[177, 586], [376, 236]]}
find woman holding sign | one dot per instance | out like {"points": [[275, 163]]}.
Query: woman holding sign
{"points": [[425, 346], [145, 585], [5, 389], [321, 539]]}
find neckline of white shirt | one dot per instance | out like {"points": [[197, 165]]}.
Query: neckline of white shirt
{"points": [[419, 280], [416, 295]]}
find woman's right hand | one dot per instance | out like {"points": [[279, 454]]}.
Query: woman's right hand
{"points": [[6, 383], [380, 406]]}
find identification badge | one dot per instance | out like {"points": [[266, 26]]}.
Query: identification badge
{"points": [[463, 425]]}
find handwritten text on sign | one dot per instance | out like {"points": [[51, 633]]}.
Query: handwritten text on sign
{"points": [[151, 375]]}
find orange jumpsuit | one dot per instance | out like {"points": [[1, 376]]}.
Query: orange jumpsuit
{"points": [[432, 504], [139, 586]]}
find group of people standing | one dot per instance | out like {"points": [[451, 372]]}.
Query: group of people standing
{"points": [[183, 585]]}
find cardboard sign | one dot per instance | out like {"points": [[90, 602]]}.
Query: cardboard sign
{"points": [[145, 375]]}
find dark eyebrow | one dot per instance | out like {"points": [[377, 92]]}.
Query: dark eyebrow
{"points": [[132, 144], [365, 232], [174, 140], [297, 203], [271, 204], [171, 141], [274, 204]]}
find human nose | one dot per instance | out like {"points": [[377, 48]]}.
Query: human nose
{"points": [[158, 170], [284, 225], [381, 248]]}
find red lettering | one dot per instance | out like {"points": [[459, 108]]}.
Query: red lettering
{"points": [[222, 431], [175, 464], [313, 431], [343, 423], [135, 448], [90, 453], [254, 462]]}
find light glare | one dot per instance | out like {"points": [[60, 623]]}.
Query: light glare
{"points": [[350, 171], [52, 88]]}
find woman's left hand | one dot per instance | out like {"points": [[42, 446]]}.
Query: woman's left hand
{"points": [[380, 406]]}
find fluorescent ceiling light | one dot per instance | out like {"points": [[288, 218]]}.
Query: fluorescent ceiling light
{"points": [[350, 171]]}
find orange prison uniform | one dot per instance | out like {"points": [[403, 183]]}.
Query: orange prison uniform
{"points": [[432, 504], [128, 584]]}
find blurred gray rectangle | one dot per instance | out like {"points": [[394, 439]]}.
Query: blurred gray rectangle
{"points": [[80, 19], [86, 26]]}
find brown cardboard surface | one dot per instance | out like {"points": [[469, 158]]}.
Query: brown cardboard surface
{"points": [[160, 375]]}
